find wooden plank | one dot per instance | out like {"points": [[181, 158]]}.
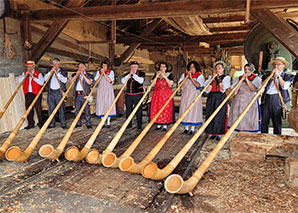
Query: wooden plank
{"points": [[52, 33], [156, 10], [226, 29], [145, 33], [279, 28], [234, 18], [179, 39], [25, 26]]}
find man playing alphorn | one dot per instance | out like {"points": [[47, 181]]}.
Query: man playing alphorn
{"points": [[31, 87]]}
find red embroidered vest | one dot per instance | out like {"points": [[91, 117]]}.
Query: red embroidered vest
{"points": [[35, 86]]}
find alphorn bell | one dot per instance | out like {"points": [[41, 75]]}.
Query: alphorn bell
{"points": [[93, 156], [47, 150], [14, 132], [109, 159], [128, 164], [175, 184], [15, 153], [73, 153], [12, 96], [152, 171]]}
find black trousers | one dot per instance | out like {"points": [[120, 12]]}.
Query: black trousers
{"points": [[79, 101], [29, 97], [271, 109], [130, 102], [54, 96]]}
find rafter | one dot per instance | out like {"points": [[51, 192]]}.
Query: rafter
{"points": [[156, 10]]}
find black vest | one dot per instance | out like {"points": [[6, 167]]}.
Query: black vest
{"points": [[86, 86], [63, 85], [133, 87], [284, 93]]}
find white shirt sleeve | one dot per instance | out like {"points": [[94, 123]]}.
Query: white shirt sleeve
{"points": [[39, 80], [62, 78], [201, 80], [226, 83], [138, 79], [21, 78], [112, 76], [47, 76], [257, 82], [181, 78], [123, 80], [286, 85], [207, 81], [96, 76]]}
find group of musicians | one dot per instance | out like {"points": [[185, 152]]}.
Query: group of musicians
{"points": [[270, 107]]}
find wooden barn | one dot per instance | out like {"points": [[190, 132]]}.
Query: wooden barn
{"points": [[149, 106]]}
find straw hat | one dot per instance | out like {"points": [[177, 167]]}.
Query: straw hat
{"points": [[30, 63], [279, 58]]}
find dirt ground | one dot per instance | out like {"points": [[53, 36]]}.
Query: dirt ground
{"points": [[42, 185]]}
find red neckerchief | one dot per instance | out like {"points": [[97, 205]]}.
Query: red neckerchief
{"points": [[197, 74], [250, 78], [106, 72]]}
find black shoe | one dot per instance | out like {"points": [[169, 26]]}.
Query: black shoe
{"points": [[89, 127], [140, 128], [191, 132], [157, 128], [103, 126], [78, 125], [213, 137], [185, 132], [218, 138], [64, 127], [164, 129], [129, 126], [50, 127], [29, 127], [40, 125], [108, 126]]}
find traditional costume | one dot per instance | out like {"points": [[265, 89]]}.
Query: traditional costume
{"points": [[82, 89], [189, 92], [218, 126], [251, 120], [133, 94], [56, 88], [160, 95], [105, 95], [31, 88]]}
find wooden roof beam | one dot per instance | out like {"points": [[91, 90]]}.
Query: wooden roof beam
{"points": [[52, 33], [227, 29], [188, 39], [156, 10], [279, 28], [234, 18]]}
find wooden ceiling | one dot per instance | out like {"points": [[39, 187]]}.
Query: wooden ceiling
{"points": [[184, 24]]}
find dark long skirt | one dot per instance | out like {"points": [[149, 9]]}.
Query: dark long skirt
{"points": [[218, 125]]}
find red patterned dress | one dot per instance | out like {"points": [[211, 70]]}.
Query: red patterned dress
{"points": [[160, 95]]}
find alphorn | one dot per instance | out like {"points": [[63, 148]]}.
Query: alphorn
{"points": [[15, 153], [175, 184], [12, 96], [14, 132], [47, 150], [93, 156], [73, 153], [128, 164], [152, 171], [109, 159]]}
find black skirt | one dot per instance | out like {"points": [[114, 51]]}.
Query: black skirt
{"points": [[218, 125]]}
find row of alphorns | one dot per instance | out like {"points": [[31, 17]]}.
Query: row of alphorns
{"points": [[173, 184]]}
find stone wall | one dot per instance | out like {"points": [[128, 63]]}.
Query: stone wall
{"points": [[13, 64]]}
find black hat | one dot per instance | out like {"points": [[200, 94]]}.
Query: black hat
{"points": [[56, 59], [133, 63]]}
